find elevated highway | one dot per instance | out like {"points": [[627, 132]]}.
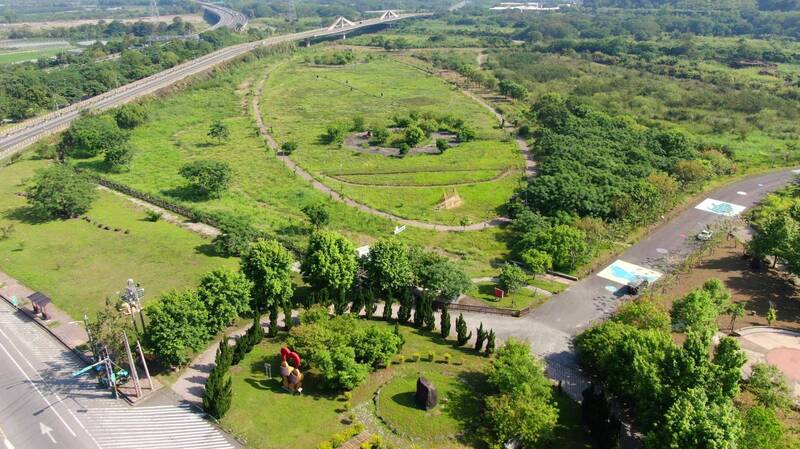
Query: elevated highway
{"points": [[226, 17], [23, 134]]}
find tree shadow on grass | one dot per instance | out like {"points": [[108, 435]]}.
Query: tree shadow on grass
{"points": [[95, 165], [209, 250], [465, 406], [27, 215], [185, 193]]}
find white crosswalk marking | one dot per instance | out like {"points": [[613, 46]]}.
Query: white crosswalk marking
{"points": [[112, 424], [164, 427]]}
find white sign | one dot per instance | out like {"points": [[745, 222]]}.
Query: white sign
{"points": [[720, 207], [625, 273], [399, 229]]}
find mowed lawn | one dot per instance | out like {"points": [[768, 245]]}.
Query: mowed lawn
{"points": [[78, 264], [263, 189], [300, 102]]}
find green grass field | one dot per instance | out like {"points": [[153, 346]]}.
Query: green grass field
{"points": [[14, 56], [263, 189], [78, 264], [300, 102], [520, 299], [268, 418]]}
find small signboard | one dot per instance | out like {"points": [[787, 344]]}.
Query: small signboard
{"points": [[499, 293], [399, 229]]}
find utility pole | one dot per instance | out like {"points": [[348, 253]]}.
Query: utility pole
{"points": [[144, 364], [156, 18], [136, 384]]}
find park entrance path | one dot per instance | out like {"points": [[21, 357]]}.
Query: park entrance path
{"points": [[530, 170]]}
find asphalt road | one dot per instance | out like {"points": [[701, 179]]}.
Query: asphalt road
{"points": [[550, 328], [42, 406], [28, 132]]}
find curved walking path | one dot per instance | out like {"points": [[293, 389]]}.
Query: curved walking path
{"points": [[530, 170], [503, 174]]}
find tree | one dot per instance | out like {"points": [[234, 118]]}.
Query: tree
{"points": [[512, 89], [370, 304], [643, 314], [226, 295], [217, 393], [428, 319], [90, 136], [444, 323], [695, 421], [727, 367], [406, 305], [692, 171], [442, 145], [375, 346], [419, 312], [521, 406], [236, 237], [512, 278], [465, 134], [107, 327], [334, 134], [566, 245], [413, 135], [769, 386], [772, 315], [735, 310], [539, 262], [288, 147], [480, 339], [207, 177], [224, 357], [551, 111], [219, 131], [177, 325], [330, 262], [440, 276], [461, 331], [119, 157], [387, 307], [388, 265], [268, 266], [130, 116], [339, 368], [317, 214], [695, 311], [490, 342], [378, 135], [60, 192]]}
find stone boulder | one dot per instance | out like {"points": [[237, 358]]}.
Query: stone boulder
{"points": [[426, 397]]}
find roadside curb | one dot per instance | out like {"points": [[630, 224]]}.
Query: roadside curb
{"points": [[30, 315]]}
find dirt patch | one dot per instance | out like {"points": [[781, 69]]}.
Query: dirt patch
{"points": [[754, 289]]}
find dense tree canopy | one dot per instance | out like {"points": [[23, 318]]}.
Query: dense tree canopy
{"points": [[330, 262], [60, 192], [177, 325], [268, 266]]}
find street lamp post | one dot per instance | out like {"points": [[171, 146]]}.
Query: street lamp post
{"points": [[132, 295]]}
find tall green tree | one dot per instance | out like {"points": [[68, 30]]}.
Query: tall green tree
{"points": [[59, 192], [330, 262], [444, 323], [217, 393], [268, 266], [317, 214], [539, 262], [389, 266], [226, 295], [512, 278], [461, 331], [89, 136], [177, 325]]}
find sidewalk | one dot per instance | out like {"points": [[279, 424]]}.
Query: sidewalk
{"points": [[69, 332]]}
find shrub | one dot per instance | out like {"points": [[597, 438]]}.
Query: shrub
{"points": [[416, 356], [769, 386], [119, 156], [442, 145], [207, 177], [461, 331], [288, 147], [447, 357], [512, 278], [152, 215]]}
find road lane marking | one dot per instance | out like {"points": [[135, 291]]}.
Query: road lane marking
{"points": [[6, 442], [14, 361], [624, 273], [720, 207], [47, 430]]}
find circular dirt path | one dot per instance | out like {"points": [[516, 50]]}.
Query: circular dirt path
{"points": [[530, 170]]}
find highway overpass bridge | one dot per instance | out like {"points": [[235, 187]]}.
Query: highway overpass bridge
{"points": [[23, 134]]}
